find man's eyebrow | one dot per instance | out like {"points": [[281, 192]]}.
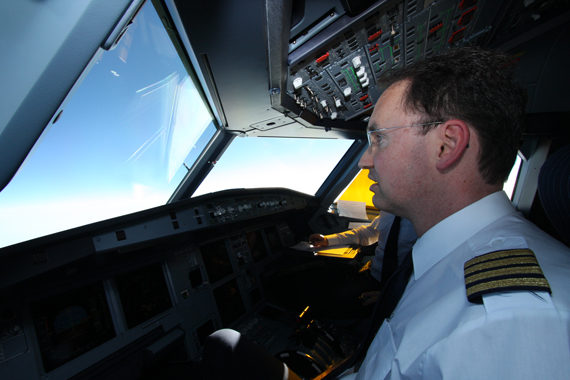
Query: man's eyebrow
{"points": [[371, 127]]}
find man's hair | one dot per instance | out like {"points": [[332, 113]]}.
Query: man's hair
{"points": [[478, 87]]}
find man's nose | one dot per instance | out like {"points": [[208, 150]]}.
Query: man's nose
{"points": [[366, 161]]}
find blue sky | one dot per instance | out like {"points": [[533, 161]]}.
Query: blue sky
{"points": [[298, 164]]}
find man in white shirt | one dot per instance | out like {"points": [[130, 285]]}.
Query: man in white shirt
{"points": [[377, 231], [335, 289], [479, 305]]}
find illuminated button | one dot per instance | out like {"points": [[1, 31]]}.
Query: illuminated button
{"points": [[347, 91], [219, 211], [360, 72]]}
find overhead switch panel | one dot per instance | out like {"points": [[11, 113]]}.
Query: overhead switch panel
{"points": [[330, 72]]}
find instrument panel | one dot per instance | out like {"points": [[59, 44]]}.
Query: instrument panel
{"points": [[199, 216], [140, 295], [196, 288]]}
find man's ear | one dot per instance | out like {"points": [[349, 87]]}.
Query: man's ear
{"points": [[454, 140]]}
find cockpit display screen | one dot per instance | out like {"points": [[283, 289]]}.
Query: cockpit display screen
{"points": [[273, 239], [144, 294], [71, 324], [229, 301], [217, 260], [256, 246]]}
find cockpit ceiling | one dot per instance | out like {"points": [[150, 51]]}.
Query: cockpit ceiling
{"points": [[300, 68]]}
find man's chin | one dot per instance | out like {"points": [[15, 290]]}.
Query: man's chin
{"points": [[377, 201], [382, 204]]}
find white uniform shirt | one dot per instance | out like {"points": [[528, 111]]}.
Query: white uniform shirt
{"points": [[436, 333], [378, 231]]}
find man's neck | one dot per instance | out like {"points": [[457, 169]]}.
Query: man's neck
{"points": [[447, 205]]}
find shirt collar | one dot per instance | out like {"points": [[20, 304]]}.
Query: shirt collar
{"points": [[454, 230]]}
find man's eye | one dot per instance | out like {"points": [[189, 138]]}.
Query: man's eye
{"points": [[376, 138]]}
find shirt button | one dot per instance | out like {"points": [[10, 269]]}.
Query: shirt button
{"points": [[497, 243]]}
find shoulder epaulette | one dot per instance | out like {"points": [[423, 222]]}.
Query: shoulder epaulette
{"points": [[500, 271]]}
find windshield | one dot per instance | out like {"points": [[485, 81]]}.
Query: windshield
{"points": [[127, 138], [299, 164], [120, 145]]}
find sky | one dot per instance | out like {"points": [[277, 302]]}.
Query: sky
{"points": [[298, 164]]}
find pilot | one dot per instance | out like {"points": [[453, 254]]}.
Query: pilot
{"points": [[335, 289], [380, 231], [488, 293]]}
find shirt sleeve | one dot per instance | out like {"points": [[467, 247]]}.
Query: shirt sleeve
{"points": [[363, 235]]}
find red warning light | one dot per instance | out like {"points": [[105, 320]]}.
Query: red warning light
{"points": [[323, 57], [375, 36]]}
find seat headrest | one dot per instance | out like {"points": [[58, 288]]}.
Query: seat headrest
{"points": [[554, 190]]}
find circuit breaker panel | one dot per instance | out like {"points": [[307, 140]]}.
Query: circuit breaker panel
{"points": [[335, 74]]}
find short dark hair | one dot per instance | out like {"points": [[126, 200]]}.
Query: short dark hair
{"points": [[474, 85]]}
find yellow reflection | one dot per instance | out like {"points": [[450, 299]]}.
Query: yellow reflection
{"points": [[359, 190]]}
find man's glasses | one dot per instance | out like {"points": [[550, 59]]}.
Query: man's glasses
{"points": [[374, 138]]}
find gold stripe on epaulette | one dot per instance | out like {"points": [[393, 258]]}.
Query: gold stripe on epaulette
{"points": [[515, 283], [500, 263], [498, 255], [502, 271]]}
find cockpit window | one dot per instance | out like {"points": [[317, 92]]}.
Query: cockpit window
{"points": [[300, 164], [509, 186], [121, 142]]}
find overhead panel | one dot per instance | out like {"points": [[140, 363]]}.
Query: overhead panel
{"points": [[334, 75]]}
